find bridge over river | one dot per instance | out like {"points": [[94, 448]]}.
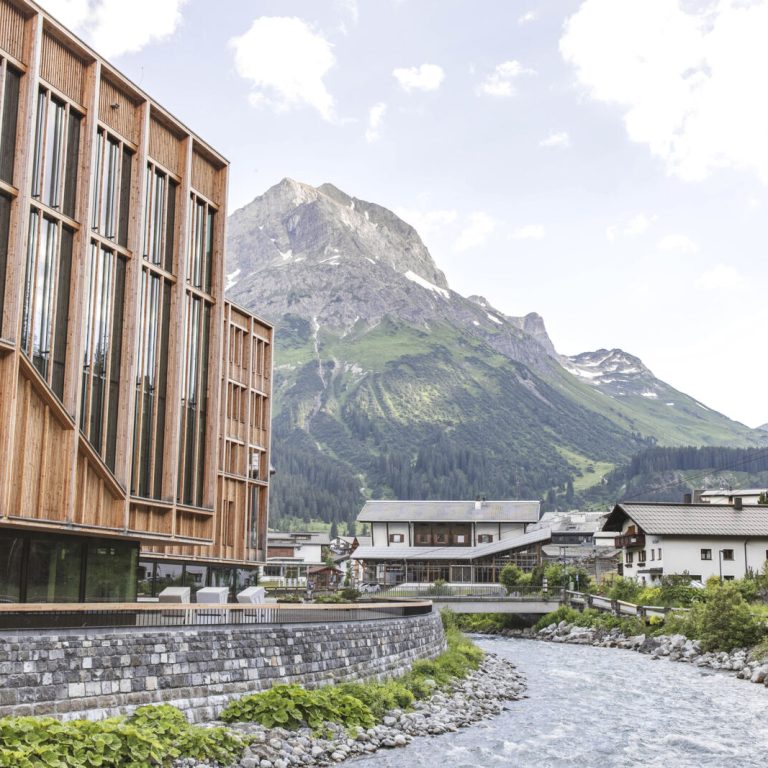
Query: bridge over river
{"points": [[482, 598]]}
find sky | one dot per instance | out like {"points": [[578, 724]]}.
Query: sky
{"points": [[601, 162]]}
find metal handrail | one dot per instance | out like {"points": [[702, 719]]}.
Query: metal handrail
{"points": [[14, 616], [604, 603]]}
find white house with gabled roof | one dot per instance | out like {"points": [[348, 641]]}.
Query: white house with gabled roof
{"points": [[701, 540]]}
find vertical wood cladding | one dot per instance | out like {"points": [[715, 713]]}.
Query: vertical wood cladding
{"points": [[12, 30], [204, 175], [58, 475], [118, 110], [165, 146], [62, 68]]}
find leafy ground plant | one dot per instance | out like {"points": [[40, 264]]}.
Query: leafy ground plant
{"points": [[291, 706], [152, 736]]}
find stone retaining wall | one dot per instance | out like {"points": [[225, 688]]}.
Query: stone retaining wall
{"points": [[95, 674]]}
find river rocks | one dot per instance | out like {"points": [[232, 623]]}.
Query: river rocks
{"points": [[481, 695], [672, 647]]}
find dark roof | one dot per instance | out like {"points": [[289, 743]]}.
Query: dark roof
{"points": [[453, 553], [450, 511], [691, 519]]}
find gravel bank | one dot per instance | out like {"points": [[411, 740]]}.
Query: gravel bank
{"points": [[481, 695]]}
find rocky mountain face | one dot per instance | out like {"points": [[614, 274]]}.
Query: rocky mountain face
{"points": [[764, 427], [389, 383]]}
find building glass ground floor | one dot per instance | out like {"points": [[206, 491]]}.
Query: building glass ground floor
{"points": [[155, 575], [55, 568], [37, 567]]}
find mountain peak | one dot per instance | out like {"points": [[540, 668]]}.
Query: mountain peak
{"points": [[320, 227]]}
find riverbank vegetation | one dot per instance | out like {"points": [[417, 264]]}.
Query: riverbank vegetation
{"points": [[152, 736], [721, 616], [156, 735], [359, 704]]}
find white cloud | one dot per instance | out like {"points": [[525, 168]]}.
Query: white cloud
{"points": [[526, 18], [427, 222], [116, 27], [720, 278], [426, 77], [501, 82], [677, 244], [375, 118], [688, 78], [634, 226], [560, 139], [477, 231], [529, 232], [285, 61]]}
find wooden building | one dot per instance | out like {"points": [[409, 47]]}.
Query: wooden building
{"points": [[134, 400]]}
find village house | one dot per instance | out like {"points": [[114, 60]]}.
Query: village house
{"points": [[701, 540], [456, 541], [291, 555]]}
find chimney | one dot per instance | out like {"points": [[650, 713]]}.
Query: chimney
{"points": [[687, 498], [697, 496], [738, 503]]}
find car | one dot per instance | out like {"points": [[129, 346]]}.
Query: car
{"points": [[369, 587]]}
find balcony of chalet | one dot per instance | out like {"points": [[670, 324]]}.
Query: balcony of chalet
{"points": [[629, 541]]}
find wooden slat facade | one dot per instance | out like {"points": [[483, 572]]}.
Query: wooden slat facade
{"points": [[57, 471], [12, 31], [119, 110], [165, 146], [62, 68]]}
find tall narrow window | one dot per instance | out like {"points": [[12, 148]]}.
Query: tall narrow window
{"points": [[149, 431], [5, 218], [111, 188], [194, 405], [160, 218], [103, 344], [11, 81], [46, 297], [55, 157]]}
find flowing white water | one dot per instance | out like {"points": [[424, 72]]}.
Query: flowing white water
{"points": [[600, 708]]}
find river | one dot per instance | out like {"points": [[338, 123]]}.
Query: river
{"points": [[603, 707]]}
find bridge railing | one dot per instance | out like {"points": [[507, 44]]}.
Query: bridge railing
{"points": [[18, 616], [490, 592], [584, 600]]}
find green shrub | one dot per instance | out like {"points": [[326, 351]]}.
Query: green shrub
{"points": [[624, 589], [748, 588], [152, 736], [350, 594], [510, 576], [418, 686], [335, 598], [725, 621], [437, 588], [289, 598], [380, 697], [291, 706], [449, 619]]}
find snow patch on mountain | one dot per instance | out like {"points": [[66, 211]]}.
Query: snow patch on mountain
{"points": [[414, 278]]}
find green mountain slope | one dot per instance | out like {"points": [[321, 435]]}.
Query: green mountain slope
{"points": [[390, 384]]}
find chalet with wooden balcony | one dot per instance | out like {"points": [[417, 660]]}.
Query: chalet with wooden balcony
{"points": [[700, 540]]}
